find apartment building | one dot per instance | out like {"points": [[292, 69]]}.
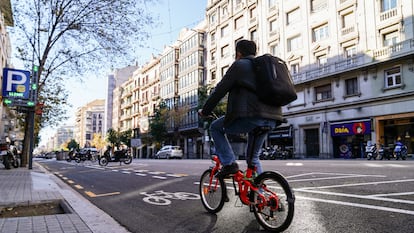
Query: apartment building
{"points": [[148, 93], [63, 135], [114, 80], [352, 63], [89, 121], [8, 126]]}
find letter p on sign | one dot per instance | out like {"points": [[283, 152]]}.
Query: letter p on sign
{"points": [[16, 83]]}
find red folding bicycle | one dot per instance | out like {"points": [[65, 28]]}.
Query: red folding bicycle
{"points": [[268, 195]]}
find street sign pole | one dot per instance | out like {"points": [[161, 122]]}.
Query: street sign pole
{"points": [[31, 112]]}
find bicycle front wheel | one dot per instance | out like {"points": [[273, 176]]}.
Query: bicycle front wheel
{"points": [[274, 203], [212, 192]]}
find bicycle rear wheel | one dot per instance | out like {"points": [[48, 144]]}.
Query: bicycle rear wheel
{"points": [[212, 193], [274, 210]]}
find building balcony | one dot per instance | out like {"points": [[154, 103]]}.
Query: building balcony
{"points": [[387, 53]]}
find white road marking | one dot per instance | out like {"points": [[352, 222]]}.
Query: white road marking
{"points": [[159, 177], [140, 174], [359, 184], [395, 210]]}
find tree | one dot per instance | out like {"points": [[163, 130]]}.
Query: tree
{"points": [[98, 141], [117, 138], [72, 144], [68, 38], [157, 125]]}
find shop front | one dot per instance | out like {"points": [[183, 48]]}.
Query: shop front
{"points": [[283, 138], [393, 128], [349, 138]]}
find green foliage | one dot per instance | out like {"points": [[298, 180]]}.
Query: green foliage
{"points": [[70, 38], [116, 138], [157, 124], [72, 144]]}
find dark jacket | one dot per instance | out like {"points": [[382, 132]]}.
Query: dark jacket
{"points": [[242, 101]]}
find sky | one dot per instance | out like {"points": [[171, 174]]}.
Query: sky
{"points": [[173, 15]]}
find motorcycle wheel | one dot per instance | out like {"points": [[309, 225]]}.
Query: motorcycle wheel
{"points": [[77, 159], [103, 161], [128, 159], [15, 163], [6, 162]]}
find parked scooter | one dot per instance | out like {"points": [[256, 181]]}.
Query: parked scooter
{"points": [[400, 151], [384, 152], [122, 155], [9, 155], [371, 150]]}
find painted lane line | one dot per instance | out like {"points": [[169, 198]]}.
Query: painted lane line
{"points": [[327, 178], [114, 170], [369, 197], [156, 173], [345, 174], [359, 184], [159, 177], [141, 170], [126, 172], [140, 174], [391, 194], [395, 210], [78, 186], [91, 194], [177, 175], [70, 181], [294, 164]]}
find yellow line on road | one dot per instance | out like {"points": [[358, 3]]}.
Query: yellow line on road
{"points": [[78, 186], [71, 181], [91, 194]]}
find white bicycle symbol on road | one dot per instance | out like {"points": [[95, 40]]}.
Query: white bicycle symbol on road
{"points": [[161, 197]]}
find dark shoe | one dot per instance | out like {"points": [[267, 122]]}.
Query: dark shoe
{"points": [[228, 170]]}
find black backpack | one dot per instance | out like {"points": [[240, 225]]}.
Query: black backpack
{"points": [[274, 85]]}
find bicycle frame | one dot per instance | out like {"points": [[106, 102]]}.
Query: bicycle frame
{"points": [[245, 187]]}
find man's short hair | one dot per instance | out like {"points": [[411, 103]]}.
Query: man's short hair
{"points": [[246, 47]]}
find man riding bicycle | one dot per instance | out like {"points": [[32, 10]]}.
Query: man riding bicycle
{"points": [[244, 110]]}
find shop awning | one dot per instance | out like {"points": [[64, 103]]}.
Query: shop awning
{"points": [[281, 132]]}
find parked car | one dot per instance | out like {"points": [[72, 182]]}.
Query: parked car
{"points": [[169, 152]]}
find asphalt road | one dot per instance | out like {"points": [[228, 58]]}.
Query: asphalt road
{"points": [[331, 195]]}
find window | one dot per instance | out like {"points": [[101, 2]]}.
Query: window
{"points": [[272, 25], [322, 60], [294, 68], [392, 77], [224, 11], [293, 16], [213, 75], [320, 33], [253, 13], [387, 5], [390, 38], [225, 51], [323, 92], [213, 18], [350, 53], [213, 56], [274, 50], [253, 35], [348, 20], [351, 86], [224, 30], [213, 37], [294, 43], [224, 70], [238, 23], [317, 5]]}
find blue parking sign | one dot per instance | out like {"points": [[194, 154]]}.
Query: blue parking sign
{"points": [[16, 83]]}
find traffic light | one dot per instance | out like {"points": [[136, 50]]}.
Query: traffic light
{"points": [[39, 109]]}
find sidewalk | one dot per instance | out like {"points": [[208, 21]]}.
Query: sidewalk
{"points": [[21, 186]]}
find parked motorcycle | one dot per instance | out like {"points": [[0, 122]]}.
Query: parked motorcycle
{"points": [[80, 155], [371, 151], [384, 152], [9, 155], [120, 156], [400, 151]]}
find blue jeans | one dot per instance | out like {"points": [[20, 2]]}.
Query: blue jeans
{"points": [[241, 125]]}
